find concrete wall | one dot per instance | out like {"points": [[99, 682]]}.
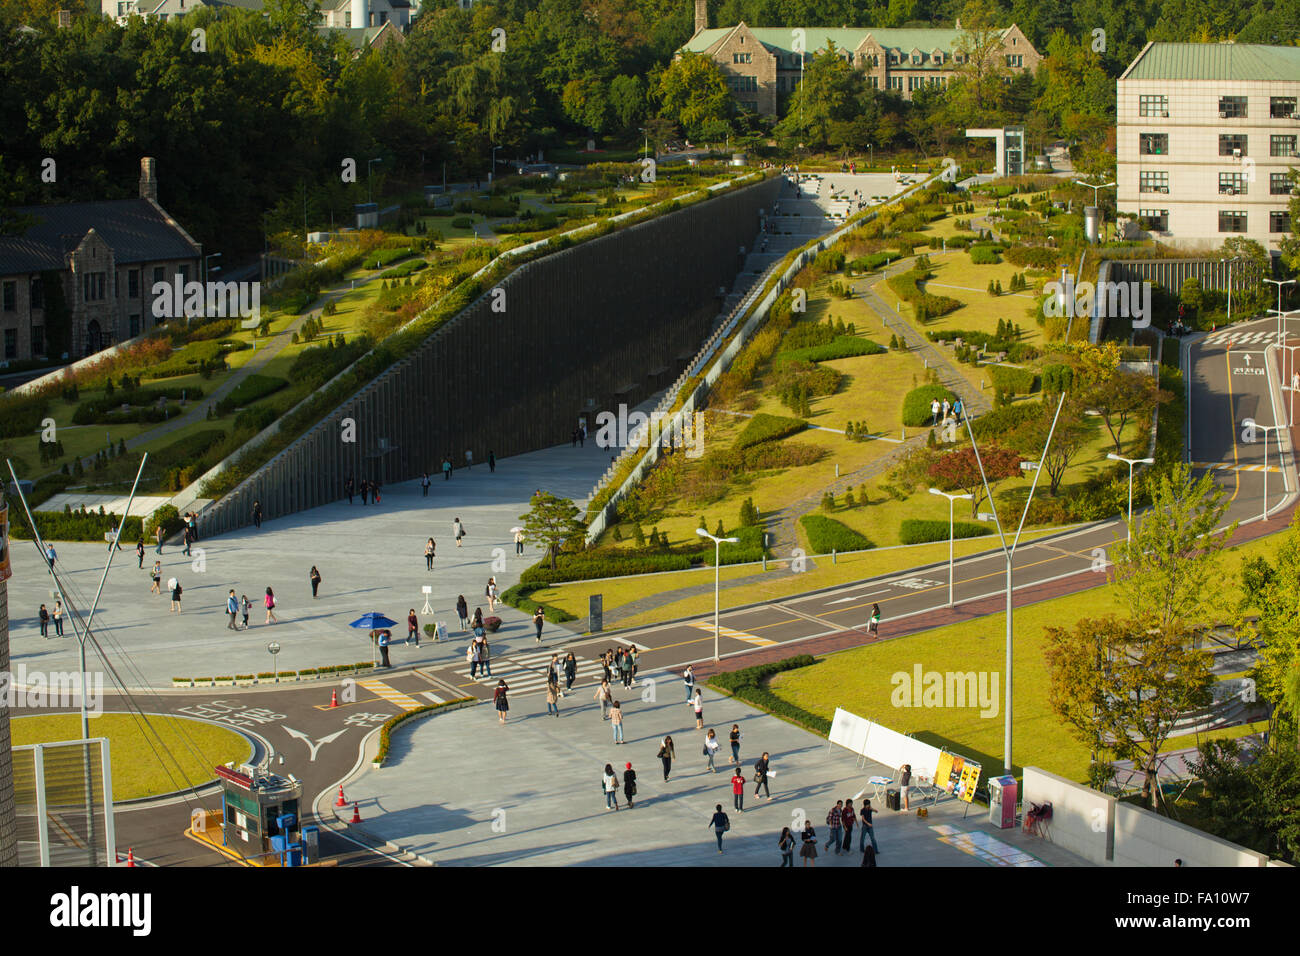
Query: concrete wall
{"points": [[1143, 838], [582, 331], [1082, 818]]}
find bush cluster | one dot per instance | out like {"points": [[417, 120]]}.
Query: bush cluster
{"points": [[845, 346], [748, 685], [826, 535], [250, 390], [922, 530], [764, 427]]}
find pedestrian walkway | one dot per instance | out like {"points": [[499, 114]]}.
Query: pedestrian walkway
{"points": [[731, 632], [1229, 337], [526, 673], [393, 696]]}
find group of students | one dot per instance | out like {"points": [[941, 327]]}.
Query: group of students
{"points": [[939, 411], [841, 819], [620, 663], [234, 606], [368, 489]]}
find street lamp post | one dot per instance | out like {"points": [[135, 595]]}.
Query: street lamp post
{"points": [[951, 498], [493, 171], [645, 149], [207, 269], [1131, 462], [370, 192], [1096, 201], [1279, 283], [1266, 429], [717, 557]]}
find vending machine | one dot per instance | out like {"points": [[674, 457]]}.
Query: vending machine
{"points": [[1002, 801]]}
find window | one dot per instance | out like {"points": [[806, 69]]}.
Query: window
{"points": [[1015, 59], [1153, 181], [893, 57], [915, 83], [1153, 105], [11, 296], [133, 283], [37, 293], [1279, 220], [873, 60], [741, 57], [11, 343], [38, 340], [875, 82], [93, 286], [1157, 219], [1153, 144], [937, 57], [158, 275], [916, 59], [383, 18], [185, 273], [1232, 220], [135, 325], [1232, 184], [895, 82], [1232, 144], [1279, 184], [1283, 145], [347, 19], [1232, 107], [1281, 107]]}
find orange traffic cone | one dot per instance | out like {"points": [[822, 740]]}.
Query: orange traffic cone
{"points": [[334, 698], [356, 813], [340, 802], [130, 857]]}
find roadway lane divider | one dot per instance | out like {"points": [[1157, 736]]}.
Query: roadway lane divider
{"points": [[731, 632]]}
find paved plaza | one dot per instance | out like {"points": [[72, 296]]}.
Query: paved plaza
{"points": [[460, 789]]}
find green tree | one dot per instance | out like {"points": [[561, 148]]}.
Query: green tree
{"points": [[1253, 805], [692, 92], [1272, 589], [553, 522], [833, 105], [977, 88]]}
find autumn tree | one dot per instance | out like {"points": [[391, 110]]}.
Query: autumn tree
{"points": [[1068, 439], [960, 470], [553, 522], [1122, 684]]}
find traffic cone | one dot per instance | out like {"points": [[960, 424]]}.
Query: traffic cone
{"points": [[130, 857], [334, 698], [356, 813], [340, 802]]}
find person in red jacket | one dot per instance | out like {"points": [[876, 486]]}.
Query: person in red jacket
{"points": [[738, 790]]}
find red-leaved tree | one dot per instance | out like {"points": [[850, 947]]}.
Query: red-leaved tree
{"points": [[958, 470]]}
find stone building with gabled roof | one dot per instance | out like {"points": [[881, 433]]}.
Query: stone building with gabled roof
{"points": [[763, 64]]}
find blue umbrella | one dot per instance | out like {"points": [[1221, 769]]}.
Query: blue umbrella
{"points": [[373, 621]]}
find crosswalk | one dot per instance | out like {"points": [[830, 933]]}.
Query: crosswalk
{"points": [[1227, 466], [390, 694], [1227, 337], [734, 634], [526, 673]]}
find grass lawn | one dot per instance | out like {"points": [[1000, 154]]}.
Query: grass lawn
{"points": [[859, 680], [137, 770]]}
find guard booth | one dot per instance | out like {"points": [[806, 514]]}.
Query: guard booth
{"points": [[261, 810]]}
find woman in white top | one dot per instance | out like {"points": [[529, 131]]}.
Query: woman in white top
{"points": [[491, 594], [697, 702], [711, 749], [610, 786], [458, 530]]}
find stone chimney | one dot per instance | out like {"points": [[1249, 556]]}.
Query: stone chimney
{"points": [[701, 15], [148, 178]]}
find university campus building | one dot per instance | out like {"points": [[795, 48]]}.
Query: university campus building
{"points": [[1205, 136], [762, 65]]}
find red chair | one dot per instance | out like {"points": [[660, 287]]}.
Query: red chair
{"points": [[1036, 820]]}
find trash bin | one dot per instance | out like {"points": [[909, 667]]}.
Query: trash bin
{"points": [[1002, 802], [310, 844]]}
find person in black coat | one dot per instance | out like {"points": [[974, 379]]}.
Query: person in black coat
{"points": [[257, 516], [760, 776], [629, 785]]}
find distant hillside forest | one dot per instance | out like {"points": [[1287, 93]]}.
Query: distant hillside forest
{"points": [[250, 130]]}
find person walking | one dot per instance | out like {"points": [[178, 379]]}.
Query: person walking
{"points": [[424, 484], [760, 775], [874, 626], [187, 536], [735, 744], [139, 553], [365, 491], [469, 458], [868, 830], [45, 621], [947, 407], [632, 654], [666, 755], [158, 539], [809, 849], [710, 750], [688, 678], [552, 694], [244, 605], [314, 577], [462, 610], [697, 704], [499, 700], [629, 785], [176, 596], [349, 488], [604, 695], [834, 820], [156, 575], [385, 639], [492, 461], [490, 592], [610, 785], [412, 627], [476, 622], [786, 845], [570, 672], [539, 618], [616, 721], [738, 790], [934, 411], [471, 658], [269, 601], [720, 824], [519, 542], [429, 547], [458, 530], [257, 514], [232, 608], [485, 650], [958, 409], [905, 785], [57, 616], [848, 818], [625, 667], [446, 468]]}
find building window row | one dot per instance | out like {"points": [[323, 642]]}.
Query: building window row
{"points": [[1153, 105], [743, 84], [94, 286], [1156, 219], [741, 57], [1015, 59], [1153, 144], [1279, 184], [1232, 184], [1153, 181], [1230, 107]]}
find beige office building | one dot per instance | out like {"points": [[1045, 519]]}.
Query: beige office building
{"points": [[1205, 135]]}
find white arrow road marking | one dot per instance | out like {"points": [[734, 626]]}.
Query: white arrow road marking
{"points": [[1247, 358], [858, 597], [318, 744]]}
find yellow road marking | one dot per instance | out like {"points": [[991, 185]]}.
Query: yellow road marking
{"points": [[1232, 423], [731, 632], [392, 695]]}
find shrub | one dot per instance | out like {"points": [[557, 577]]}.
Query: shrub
{"points": [[1002, 422], [405, 269], [906, 286], [920, 531], [383, 257], [826, 535], [386, 730], [807, 334], [520, 596], [462, 222], [984, 255], [916, 403], [250, 390], [254, 419], [748, 685], [72, 525], [165, 515], [844, 346], [764, 427], [1013, 381]]}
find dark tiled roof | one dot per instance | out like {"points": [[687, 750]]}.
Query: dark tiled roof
{"points": [[134, 228]]}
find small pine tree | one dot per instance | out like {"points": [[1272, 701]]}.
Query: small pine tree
{"points": [[991, 292], [930, 440], [828, 501], [108, 388], [848, 499], [719, 531], [78, 469], [852, 329], [63, 470], [999, 287], [840, 328], [617, 535], [849, 431], [638, 535], [654, 537]]}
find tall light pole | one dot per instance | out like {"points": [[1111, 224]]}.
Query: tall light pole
{"points": [[717, 560], [1230, 262], [370, 192], [1266, 429], [1279, 283], [1096, 202], [872, 147], [1131, 462], [207, 269], [493, 171], [645, 149], [951, 498]]}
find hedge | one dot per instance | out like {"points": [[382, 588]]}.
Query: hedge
{"points": [[826, 535], [386, 729], [842, 346], [906, 286], [984, 255], [747, 685], [1000, 422], [250, 390], [764, 427], [1014, 381], [383, 257], [916, 404], [405, 269], [922, 530], [589, 565], [73, 525], [520, 596]]}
